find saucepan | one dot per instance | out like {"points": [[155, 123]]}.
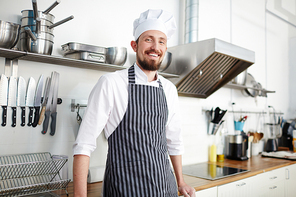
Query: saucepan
{"points": [[166, 61], [116, 55], [37, 29], [9, 34]]}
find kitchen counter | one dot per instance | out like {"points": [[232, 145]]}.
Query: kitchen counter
{"points": [[255, 165]]}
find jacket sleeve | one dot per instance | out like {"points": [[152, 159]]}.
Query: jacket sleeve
{"points": [[95, 118]]}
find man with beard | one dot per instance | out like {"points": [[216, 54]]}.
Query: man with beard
{"points": [[137, 108]]}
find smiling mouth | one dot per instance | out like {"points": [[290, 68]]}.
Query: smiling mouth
{"points": [[153, 55]]}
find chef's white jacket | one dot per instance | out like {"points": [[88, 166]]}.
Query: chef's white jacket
{"points": [[107, 105]]}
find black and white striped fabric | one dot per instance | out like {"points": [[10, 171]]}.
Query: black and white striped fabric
{"points": [[137, 162]]}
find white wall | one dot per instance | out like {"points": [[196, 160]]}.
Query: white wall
{"points": [[109, 23]]}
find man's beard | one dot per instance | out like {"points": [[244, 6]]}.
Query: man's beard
{"points": [[151, 65]]}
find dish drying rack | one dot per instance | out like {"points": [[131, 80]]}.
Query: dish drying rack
{"points": [[33, 173]]}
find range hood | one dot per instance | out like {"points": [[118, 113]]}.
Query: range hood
{"points": [[205, 66]]}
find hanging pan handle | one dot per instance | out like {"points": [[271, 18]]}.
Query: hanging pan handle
{"points": [[51, 7], [35, 9], [38, 25], [61, 22], [29, 32]]}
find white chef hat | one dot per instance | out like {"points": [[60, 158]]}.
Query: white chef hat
{"points": [[155, 20]]}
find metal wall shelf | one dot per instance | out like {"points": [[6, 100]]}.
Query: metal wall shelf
{"points": [[50, 59], [242, 87]]}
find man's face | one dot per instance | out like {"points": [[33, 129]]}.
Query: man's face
{"points": [[150, 49]]}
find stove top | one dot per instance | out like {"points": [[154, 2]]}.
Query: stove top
{"points": [[211, 171]]}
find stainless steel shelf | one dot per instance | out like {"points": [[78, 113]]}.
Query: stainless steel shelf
{"points": [[50, 59], [242, 87]]}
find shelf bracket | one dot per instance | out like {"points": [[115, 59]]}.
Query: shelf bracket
{"points": [[76, 106], [11, 67]]}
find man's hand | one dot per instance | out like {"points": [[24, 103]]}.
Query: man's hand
{"points": [[183, 188], [186, 190]]}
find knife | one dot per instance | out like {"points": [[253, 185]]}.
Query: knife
{"points": [[21, 98], [12, 98], [54, 105], [45, 95], [3, 97], [37, 100], [48, 104], [30, 98]]}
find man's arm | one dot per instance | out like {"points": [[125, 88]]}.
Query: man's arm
{"points": [[183, 188], [80, 172]]}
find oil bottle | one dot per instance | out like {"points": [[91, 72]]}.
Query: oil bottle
{"points": [[213, 150]]}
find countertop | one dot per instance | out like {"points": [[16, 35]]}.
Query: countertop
{"points": [[255, 165]]}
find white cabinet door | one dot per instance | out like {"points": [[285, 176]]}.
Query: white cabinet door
{"points": [[272, 183], [210, 192], [273, 190], [290, 186], [243, 188]]}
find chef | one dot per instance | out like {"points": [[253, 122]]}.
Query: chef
{"points": [[138, 110]]}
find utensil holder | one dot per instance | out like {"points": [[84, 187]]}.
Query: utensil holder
{"points": [[239, 125], [213, 128], [257, 148]]}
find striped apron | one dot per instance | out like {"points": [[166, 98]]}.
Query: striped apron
{"points": [[137, 161]]}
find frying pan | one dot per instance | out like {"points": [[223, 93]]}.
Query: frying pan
{"points": [[251, 82], [241, 78]]}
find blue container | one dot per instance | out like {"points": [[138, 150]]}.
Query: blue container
{"points": [[239, 125]]}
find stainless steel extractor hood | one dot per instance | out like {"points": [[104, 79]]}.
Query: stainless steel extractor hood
{"points": [[205, 66]]}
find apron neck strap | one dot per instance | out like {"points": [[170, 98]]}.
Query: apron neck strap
{"points": [[132, 76]]}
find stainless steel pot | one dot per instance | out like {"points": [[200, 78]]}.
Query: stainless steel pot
{"points": [[31, 21], [37, 29], [166, 61], [30, 14], [41, 35], [116, 55], [9, 34], [33, 28], [36, 43], [39, 46]]}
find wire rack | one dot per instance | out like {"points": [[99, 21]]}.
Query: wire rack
{"points": [[33, 173]]}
